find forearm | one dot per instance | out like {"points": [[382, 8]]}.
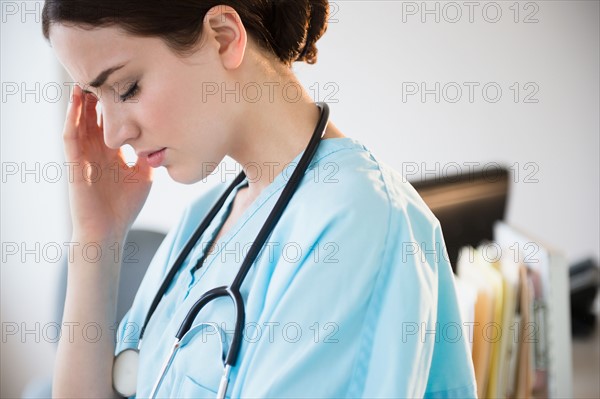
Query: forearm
{"points": [[85, 354]]}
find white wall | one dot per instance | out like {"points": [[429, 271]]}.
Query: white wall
{"points": [[368, 56], [33, 209]]}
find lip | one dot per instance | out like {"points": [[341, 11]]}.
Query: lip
{"points": [[155, 158], [148, 152]]}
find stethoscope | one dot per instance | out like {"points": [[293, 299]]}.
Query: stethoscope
{"points": [[126, 362]]}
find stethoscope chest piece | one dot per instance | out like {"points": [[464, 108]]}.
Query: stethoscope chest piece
{"points": [[125, 372]]}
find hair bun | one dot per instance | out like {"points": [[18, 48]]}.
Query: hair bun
{"points": [[295, 27]]}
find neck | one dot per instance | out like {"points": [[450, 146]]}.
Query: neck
{"points": [[275, 131]]}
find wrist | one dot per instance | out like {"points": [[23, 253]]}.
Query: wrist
{"points": [[104, 240]]}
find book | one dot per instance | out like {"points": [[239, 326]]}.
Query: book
{"points": [[549, 363], [473, 269]]}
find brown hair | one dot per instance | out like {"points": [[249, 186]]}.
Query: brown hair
{"points": [[287, 28]]}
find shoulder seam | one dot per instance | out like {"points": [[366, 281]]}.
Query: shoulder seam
{"points": [[314, 162]]}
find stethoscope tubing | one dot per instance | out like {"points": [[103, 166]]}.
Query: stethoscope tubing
{"points": [[233, 291], [209, 296], [186, 251]]}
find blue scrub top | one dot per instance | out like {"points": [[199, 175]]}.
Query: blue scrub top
{"points": [[351, 296]]}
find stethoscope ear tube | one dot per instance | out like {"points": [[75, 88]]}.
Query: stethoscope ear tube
{"points": [[224, 382], [165, 367]]}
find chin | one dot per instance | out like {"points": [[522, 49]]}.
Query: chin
{"points": [[184, 176]]}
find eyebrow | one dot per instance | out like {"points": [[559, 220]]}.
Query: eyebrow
{"points": [[103, 76]]}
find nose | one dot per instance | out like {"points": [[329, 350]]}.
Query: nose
{"points": [[119, 128]]}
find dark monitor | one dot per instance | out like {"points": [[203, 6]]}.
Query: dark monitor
{"points": [[467, 205]]}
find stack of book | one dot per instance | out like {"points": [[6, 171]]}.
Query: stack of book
{"points": [[514, 298]]}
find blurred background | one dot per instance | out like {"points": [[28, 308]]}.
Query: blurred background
{"points": [[431, 88]]}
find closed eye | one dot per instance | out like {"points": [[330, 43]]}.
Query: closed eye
{"points": [[130, 93]]}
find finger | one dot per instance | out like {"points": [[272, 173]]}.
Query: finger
{"points": [[72, 144], [73, 115], [101, 123], [91, 117]]}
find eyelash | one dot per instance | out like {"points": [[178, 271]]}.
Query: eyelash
{"points": [[130, 93]]}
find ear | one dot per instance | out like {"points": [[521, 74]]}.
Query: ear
{"points": [[226, 26]]}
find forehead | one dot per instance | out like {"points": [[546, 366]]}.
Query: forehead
{"points": [[85, 53]]}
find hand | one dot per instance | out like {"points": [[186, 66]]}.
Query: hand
{"points": [[105, 194]]}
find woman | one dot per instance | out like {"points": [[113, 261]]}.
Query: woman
{"points": [[352, 294]]}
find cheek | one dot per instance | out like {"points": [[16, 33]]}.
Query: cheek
{"points": [[192, 101], [177, 114], [159, 115], [173, 107]]}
